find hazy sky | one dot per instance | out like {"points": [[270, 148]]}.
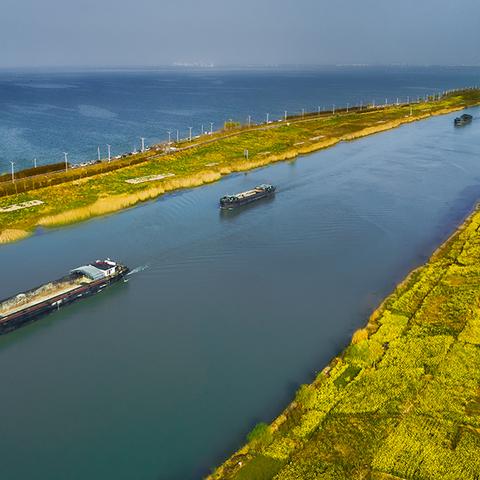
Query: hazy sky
{"points": [[159, 32]]}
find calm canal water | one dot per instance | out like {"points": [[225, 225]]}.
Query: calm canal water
{"points": [[161, 377]]}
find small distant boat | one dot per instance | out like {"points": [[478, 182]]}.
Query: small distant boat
{"points": [[463, 120], [261, 191]]}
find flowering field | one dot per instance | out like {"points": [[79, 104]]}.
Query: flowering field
{"points": [[402, 401]]}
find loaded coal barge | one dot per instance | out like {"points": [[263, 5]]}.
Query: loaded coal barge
{"points": [[231, 201], [463, 120], [81, 282]]}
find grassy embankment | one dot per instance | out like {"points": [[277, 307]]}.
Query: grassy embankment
{"points": [[402, 401], [78, 199]]}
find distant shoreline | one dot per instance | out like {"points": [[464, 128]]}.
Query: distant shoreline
{"points": [[211, 66]]}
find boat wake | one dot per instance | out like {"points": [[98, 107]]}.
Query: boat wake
{"points": [[139, 269]]}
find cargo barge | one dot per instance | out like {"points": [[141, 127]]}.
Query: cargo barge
{"points": [[463, 120], [81, 282], [232, 201]]}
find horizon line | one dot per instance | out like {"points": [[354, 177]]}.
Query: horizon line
{"points": [[207, 66]]}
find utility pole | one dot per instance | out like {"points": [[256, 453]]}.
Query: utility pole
{"points": [[66, 160], [13, 171], [109, 152], [143, 144], [190, 134], [169, 140], [211, 128]]}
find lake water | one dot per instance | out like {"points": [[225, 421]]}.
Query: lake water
{"points": [[163, 376], [46, 113]]}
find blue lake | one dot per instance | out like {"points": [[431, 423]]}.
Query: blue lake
{"points": [[46, 113]]}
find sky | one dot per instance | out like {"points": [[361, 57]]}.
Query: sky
{"points": [[43, 33]]}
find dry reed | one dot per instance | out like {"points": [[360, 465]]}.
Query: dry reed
{"points": [[12, 235], [114, 203]]}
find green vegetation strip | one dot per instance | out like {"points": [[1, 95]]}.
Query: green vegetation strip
{"points": [[104, 188], [402, 401]]}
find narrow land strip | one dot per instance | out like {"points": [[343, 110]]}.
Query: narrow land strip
{"points": [[82, 193]]}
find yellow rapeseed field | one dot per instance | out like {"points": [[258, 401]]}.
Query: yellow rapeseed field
{"points": [[402, 401]]}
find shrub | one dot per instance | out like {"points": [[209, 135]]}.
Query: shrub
{"points": [[359, 336], [260, 434]]}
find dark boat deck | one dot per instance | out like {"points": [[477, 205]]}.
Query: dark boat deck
{"points": [[257, 193]]}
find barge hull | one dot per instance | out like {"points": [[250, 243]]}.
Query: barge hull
{"points": [[228, 202], [32, 313], [246, 201]]}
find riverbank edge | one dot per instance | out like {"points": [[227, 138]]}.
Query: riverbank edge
{"points": [[115, 203], [233, 464]]}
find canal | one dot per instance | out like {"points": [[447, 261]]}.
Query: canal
{"points": [[226, 315]]}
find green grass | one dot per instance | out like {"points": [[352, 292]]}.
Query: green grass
{"points": [[402, 402], [260, 468], [92, 191]]}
